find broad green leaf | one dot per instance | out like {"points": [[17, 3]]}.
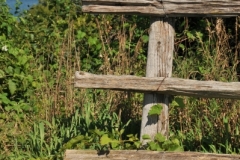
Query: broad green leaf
{"points": [[182, 46], [155, 110], [146, 136], [225, 120], [99, 46], [199, 35], [190, 36], [178, 102], [121, 131], [8, 108], [130, 135], [9, 70], [80, 35], [92, 40], [73, 141], [4, 99], [137, 144], [25, 107], [145, 38], [98, 132], [159, 137], [3, 116], [30, 78], [175, 141], [153, 146], [2, 74], [159, 148], [104, 140], [115, 144], [175, 148], [166, 145], [126, 25], [16, 107], [133, 138], [23, 59], [128, 145], [12, 86]]}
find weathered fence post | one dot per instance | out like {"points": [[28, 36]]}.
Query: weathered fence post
{"points": [[159, 64]]}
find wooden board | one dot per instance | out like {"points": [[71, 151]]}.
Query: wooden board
{"points": [[170, 8], [172, 86], [145, 155]]}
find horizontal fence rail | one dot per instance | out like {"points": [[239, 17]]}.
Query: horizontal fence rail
{"points": [[170, 8], [144, 155], [162, 85]]}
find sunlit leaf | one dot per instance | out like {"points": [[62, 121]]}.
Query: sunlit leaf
{"points": [[12, 86], [159, 137], [105, 140], [4, 99], [191, 36], [182, 46], [145, 38], [146, 136], [155, 110], [98, 132], [175, 141], [92, 40], [80, 34], [2, 74], [137, 144], [115, 144]]}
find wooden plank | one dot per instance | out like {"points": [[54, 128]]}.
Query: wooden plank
{"points": [[172, 86], [159, 64], [170, 8], [145, 155]]}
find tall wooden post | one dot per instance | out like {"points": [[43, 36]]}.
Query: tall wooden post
{"points": [[159, 64]]}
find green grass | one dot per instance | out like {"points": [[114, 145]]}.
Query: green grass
{"points": [[42, 114]]}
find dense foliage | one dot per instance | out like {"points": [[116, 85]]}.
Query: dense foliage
{"points": [[41, 114]]}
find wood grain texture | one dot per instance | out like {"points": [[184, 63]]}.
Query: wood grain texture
{"points": [[145, 155], [159, 64], [170, 8], [172, 86]]}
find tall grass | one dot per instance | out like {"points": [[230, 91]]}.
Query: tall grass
{"points": [[117, 45], [209, 125]]}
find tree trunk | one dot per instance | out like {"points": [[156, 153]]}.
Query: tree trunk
{"points": [[159, 64]]}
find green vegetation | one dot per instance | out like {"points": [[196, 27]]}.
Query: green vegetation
{"points": [[41, 114]]}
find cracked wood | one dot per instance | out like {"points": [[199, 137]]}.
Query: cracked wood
{"points": [[170, 8], [164, 85]]}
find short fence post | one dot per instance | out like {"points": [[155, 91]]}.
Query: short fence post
{"points": [[159, 64]]}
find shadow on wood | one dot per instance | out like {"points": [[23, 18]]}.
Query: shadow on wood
{"points": [[145, 155]]}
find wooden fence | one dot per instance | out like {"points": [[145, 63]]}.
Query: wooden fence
{"points": [[161, 85], [145, 155], [171, 8], [160, 55]]}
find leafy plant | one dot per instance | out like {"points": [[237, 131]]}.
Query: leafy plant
{"points": [[41, 114], [160, 143]]}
